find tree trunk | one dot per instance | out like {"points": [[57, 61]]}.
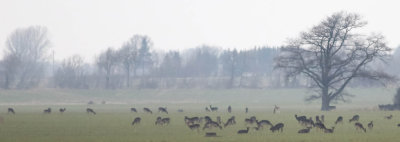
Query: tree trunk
{"points": [[325, 100]]}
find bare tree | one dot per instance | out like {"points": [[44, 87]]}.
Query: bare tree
{"points": [[71, 74], [25, 53], [331, 54], [128, 54], [107, 61]]}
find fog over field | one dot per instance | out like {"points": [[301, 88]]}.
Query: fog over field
{"points": [[180, 70]]}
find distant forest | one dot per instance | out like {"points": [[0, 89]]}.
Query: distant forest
{"points": [[28, 63]]}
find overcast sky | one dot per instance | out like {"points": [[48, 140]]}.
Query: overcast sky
{"points": [[87, 27]]}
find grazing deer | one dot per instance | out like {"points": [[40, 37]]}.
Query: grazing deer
{"points": [[360, 126], [213, 108], [389, 117], [339, 120], [247, 110], [192, 120], [329, 130], [243, 131], [262, 123], [62, 110], [133, 109], [90, 111], [300, 118], [158, 121], [11, 110], [321, 126], [163, 109], [147, 110], [231, 121], [398, 125], [303, 131], [194, 126], [207, 119], [355, 118], [47, 111], [370, 125], [229, 109], [212, 124], [322, 118], [251, 120], [276, 109], [136, 121], [165, 120], [277, 127]]}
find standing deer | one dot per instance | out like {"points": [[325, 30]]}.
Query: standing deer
{"points": [[11, 110], [370, 125], [276, 109], [229, 109], [247, 110], [389, 117], [208, 110], [90, 111], [300, 118], [147, 110]]}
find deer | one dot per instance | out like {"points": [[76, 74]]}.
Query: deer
{"points": [[262, 123], [300, 118], [62, 110], [398, 125], [339, 120], [133, 109], [308, 122], [244, 131], [321, 126], [194, 126], [229, 109], [231, 121], [213, 108], [166, 120], [163, 109], [192, 120], [389, 117], [277, 127], [370, 125], [276, 109], [158, 121], [11, 110], [212, 124], [247, 110], [136, 121], [251, 120], [147, 110], [47, 111], [329, 130], [303, 131], [355, 118], [207, 119], [317, 120], [358, 125], [208, 110], [90, 111]]}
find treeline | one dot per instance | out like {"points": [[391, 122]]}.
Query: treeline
{"points": [[27, 63]]}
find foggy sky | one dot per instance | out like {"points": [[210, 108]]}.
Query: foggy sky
{"points": [[87, 27]]}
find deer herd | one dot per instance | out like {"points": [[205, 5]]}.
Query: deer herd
{"points": [[206, 122]]}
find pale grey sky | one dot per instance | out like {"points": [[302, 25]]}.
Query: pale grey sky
{"points": [[87, 27]]}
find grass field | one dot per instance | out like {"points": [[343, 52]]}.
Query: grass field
{"points": [[112, 123]]}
